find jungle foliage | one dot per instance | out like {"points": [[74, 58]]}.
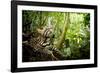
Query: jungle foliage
{"points": [[71, 31]]}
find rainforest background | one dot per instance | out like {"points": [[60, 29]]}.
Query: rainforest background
{"points": [[71, 32]]}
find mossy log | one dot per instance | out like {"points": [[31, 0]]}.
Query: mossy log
{"points": [[31, 54]]}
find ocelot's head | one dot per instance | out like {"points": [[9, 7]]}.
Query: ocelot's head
{"points": [[46, 31]]}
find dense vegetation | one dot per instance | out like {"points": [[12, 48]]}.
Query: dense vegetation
{"points": [[71, 33]]}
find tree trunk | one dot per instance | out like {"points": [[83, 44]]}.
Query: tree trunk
{"points": [[65, 27]]}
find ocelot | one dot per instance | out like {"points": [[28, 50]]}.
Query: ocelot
{"points": [[42, 40], [42, 44]]}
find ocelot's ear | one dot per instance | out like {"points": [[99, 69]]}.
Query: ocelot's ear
{"points": [[40, 31]]}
